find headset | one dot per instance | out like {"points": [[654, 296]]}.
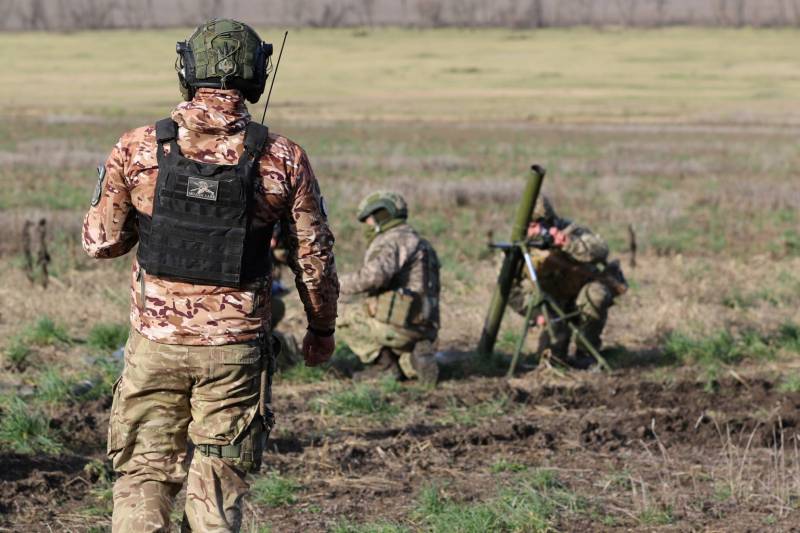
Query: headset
{"points": [[252, 89]]}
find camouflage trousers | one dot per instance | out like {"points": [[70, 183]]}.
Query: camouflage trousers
{"points": [[166, 395], [366, 336], [591, 305]]}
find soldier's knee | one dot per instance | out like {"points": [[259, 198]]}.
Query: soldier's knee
{"points": [[594, 300]]}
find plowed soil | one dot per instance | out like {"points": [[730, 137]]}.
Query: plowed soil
{"points": [[719, 456]]}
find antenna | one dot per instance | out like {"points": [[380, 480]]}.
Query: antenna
{"points": [[272, 84]]}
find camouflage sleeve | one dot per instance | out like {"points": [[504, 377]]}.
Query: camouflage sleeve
{"points": [[109, 228], [381, 264], [312, 247], [585, 246]]}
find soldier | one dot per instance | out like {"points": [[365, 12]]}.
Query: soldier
{"points": [[200, 192], [576, 275], [398, 325]]}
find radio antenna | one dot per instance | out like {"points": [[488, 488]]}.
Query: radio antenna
{"points": [[275, 75]]}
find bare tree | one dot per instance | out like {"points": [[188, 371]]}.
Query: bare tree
{"points": [[431, 12], [87, 14], [587, 8], [661, 12], [731, 12], [33, 15], [209, 9], [333, 15], [536, 14], [794, 8], [366, 10], [627, 11], [465, 12], [137, 13]]}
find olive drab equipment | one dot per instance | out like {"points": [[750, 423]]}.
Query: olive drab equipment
{"points": [[223, 54], [407, 309], [392, 202], [201, 230]]}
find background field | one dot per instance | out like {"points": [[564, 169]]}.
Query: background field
{"points": [[688, 135]]}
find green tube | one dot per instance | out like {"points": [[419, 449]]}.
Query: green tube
{"points": [[511, 264]]}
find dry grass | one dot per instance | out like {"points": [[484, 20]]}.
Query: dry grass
{"points": [[566, 75]]}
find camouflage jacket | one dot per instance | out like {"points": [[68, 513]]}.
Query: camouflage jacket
{"points": [[211, 130], [398, 258], [584, 248]]}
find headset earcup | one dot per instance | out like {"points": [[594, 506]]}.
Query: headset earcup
{"points": [[186, 90]]}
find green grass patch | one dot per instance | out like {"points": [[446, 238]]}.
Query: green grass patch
{"points": [[52, 387], [790, 383], [726, 349], [360, 400], [274, 490], [25, 429], [17, 352], [105, 337], [43, 332], [529, 504], [472, 415], [371, 527], [300, 373], [656, 517], [503, 465], [46, 332]]}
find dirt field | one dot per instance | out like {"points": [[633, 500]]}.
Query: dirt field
{"points": [[692, 141]]}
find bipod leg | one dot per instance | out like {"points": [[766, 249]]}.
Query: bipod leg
{"points": [[591, 349], [579, 336], [521, 342]]}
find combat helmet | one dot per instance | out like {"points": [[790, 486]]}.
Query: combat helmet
{"points": [[223, 54], [392, 202], [544, 210]]}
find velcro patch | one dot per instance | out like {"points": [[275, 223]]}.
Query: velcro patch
{"points": [[202, 188]]}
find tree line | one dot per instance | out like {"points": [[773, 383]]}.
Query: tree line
{"points": [[99, 14]]}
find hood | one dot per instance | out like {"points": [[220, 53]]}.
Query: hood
{"points": [[213, 112]]}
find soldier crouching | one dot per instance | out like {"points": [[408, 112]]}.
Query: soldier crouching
{"points": [[576, 274], [395, 330]]}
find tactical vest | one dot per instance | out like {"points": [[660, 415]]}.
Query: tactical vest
{"points": [[201, 230]]}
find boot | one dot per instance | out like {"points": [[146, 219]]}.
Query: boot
{"points": [[423, 359], [385, 364]]}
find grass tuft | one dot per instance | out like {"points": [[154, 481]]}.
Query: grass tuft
{"points": [[361, 400], [107, 337], [529, 505], [45, 332], [274, 490], [372, 527], [17, 352], [790, 384], [506, 466], [24, 429], [52, 387], [300, 373]]}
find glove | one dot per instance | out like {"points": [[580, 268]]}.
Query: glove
{"points": [[316, 349]]}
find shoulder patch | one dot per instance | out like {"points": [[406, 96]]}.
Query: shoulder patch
{"points": [[98, 188]]}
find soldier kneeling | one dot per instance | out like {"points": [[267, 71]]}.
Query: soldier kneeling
{"points": [[576, 275], [396, 330]]}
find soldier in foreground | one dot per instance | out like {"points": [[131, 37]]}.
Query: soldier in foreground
{"points": [[397, 327], [200, 193], [576, 274]]}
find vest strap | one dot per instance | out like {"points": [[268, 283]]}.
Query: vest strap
{"points": [[166, 130]]}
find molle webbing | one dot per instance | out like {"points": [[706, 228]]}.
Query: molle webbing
{"points": [[201, 230]]}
